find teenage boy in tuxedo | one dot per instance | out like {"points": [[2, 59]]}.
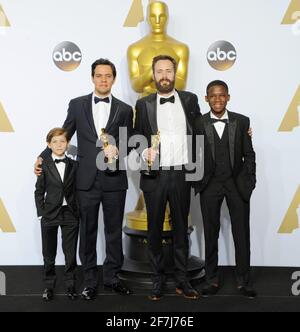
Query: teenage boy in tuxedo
{"points": [[230, 173], [56, 203]]}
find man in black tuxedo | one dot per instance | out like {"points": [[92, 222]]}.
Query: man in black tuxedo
{"points": [[229, 172], [172, 113], [56, 203], [87, 116]]}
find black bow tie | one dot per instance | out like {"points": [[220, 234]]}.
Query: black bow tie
{"points": [[167, 100], [104, 100], [57, 161], [225, 121]]}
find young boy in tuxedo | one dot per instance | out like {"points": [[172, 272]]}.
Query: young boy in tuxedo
{"points": [[55, 198], [229, 173]]}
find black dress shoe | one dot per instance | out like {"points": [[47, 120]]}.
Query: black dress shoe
{"points": [[118, 288], [210, 290], [247, 292], [48, 295], [185, 288], [72, 294], [157, 291], [89, 294]]}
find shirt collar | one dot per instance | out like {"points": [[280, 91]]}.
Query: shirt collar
{"points": [[173, 93], [57, 157], [109, 96], [224, 117]]}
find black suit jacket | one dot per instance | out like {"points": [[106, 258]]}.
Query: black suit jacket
{"points": [[51, 190], [242, 155], [80, 119], [146, 125]]}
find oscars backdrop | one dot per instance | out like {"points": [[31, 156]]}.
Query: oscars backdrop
{"points": [[46, 49]]}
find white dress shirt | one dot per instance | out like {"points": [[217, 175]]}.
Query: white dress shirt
{"points": [[61, 167], [219, 126], [101, 112], [171, 123]]}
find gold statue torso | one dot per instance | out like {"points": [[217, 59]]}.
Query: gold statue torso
{"points": [[147, 54], [141, 54]]}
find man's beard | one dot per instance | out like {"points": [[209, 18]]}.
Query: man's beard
{"points": [[163, 87]]}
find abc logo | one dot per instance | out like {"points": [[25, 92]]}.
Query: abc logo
{"points": [[221, 55], [67, 56]]}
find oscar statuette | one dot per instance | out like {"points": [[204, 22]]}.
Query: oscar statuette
{"points": [[111, 162], [155, 140]]}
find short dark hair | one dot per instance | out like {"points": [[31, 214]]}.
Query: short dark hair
{"points": [[57, 132], [163, 57], [217, 82], [104, 62]]}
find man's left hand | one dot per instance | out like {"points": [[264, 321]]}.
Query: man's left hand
{"points": [[111, 152]]}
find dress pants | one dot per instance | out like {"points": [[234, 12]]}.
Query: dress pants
{"points": [[211, 201], [113, 204], [69, 229], [171, 188]]}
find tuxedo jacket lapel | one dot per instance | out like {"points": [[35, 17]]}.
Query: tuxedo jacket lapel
{"points": [[68, 170], [187, 114], [89, 113], [114, 110], [152, 114], [209, 133], [52, 168], [232, 126]]}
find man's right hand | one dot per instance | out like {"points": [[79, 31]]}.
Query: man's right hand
{"points": [[37, 166], [150, 154]]}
